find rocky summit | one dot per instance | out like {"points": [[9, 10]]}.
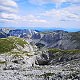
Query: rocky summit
{"points": [[35, 55]]}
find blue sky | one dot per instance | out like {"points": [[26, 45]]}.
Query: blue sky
{"points": [[47, 14]]}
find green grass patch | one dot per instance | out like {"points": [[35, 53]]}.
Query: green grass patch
{"points": [[59, 51], [47, 74], [7, 44], [2, 62], [18, 41]]}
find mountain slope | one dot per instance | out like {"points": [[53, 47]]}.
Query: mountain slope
{"points": [[59, 39], [7, 44], [3, 34]]}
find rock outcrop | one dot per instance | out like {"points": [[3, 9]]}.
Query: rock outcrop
{"points": [[55, 56]]}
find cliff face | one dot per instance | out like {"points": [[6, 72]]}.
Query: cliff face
{"points": [[3, 34], [59, 39]]}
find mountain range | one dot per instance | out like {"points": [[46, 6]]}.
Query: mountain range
{"points": [[50, 39]]}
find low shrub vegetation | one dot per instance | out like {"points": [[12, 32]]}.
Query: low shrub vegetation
{"points": [[7, 44], [53, 50]]}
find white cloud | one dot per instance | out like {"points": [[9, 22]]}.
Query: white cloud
{"points": [[70, 13], [8, 9], [61, 1], [9, 16], [33, 19], [64, 17], [8, 6], [39, 2], [29, 20], [60, 18], [57, 2], [8, 3]]}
